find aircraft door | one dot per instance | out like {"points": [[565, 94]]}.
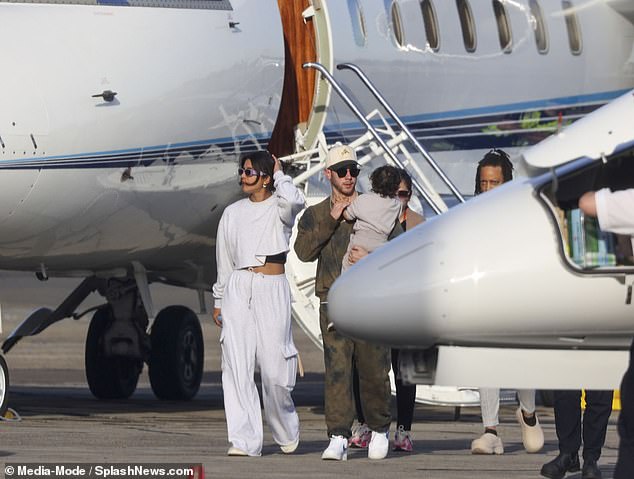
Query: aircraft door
{"points": [[586, 249], [15, 188], [306, 96]]}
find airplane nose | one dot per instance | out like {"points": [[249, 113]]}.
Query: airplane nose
{"points": [[382, 296], [461, 276]]}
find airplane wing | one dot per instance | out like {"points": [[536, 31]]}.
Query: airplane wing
{"points": [[595, 136]]}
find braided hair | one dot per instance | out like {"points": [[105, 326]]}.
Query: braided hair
{"points": [[495, 157]]}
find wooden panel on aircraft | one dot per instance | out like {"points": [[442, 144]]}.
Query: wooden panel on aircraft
{"points": [[299, 84]]}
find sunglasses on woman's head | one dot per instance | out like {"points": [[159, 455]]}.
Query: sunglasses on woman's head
{"points": [[404, 194], [249, 172], [343, 171]]}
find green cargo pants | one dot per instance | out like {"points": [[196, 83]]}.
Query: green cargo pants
{"points": [[373, 364]]}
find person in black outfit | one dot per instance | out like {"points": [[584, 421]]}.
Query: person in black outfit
{"points": [[569, 426], [615, 213]]}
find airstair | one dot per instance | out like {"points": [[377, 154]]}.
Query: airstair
{"points": [[385, 140]]}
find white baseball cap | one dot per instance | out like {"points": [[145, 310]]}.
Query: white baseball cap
{"points": [[341, 155]]}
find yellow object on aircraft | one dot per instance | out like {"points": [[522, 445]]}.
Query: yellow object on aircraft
{"points": [[616, 400]]}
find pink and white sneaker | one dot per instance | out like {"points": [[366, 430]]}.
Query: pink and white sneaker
{"points": [[361, 435], [403, 440]]}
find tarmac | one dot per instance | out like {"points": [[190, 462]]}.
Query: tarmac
{"points": [[62, 422]]}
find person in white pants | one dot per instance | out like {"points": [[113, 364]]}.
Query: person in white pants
{"points": [[252, 304], [490, 442], [494, 169]]}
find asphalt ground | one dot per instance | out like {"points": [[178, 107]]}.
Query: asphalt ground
{"points": [[62, 422]]}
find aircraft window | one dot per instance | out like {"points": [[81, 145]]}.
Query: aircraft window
{"points": [[504, 27], [572, 25], [584, 245], [358, 22], [467, 24], [397, 24], [537, 21], [431, 24]]}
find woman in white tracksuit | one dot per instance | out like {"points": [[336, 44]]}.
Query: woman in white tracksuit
{"points": [[252, 304]]}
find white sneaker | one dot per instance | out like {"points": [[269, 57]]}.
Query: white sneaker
{"points": [[337, 450], [379, 445], [290, 448], [487, 444], [235, 451], [532, 436]]}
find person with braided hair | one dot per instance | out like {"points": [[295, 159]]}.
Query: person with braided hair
{"points": [[494, 169]]}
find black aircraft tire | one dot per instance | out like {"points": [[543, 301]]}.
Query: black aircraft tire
{"points": [[177, 354], [4, 386], [108, 377]]}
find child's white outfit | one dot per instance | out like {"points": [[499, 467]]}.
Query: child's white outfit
{"points": [[256, 317], [376, 216]]}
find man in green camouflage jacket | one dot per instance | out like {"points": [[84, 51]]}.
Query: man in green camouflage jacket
{"points": [[323, 235]]}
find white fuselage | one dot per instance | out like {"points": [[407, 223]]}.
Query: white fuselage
{"points": [[189, 90], [488, 272], [90, 185], [507, 289], [499, 270]]}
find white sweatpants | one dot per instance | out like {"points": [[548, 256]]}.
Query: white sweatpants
{"points": [[256, 330], [490, 404]]}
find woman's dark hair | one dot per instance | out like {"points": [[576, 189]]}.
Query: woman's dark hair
{"points": [[263, 162], [406, 178], [385, 180], [495, 157]]}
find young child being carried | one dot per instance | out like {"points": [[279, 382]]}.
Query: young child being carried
{"points": [[376, 213]]}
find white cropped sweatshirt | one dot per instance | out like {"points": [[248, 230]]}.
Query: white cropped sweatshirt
{"points": [[248, 232]]}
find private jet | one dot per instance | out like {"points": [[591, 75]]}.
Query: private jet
{"points": [[122, 122], [506, 289]]}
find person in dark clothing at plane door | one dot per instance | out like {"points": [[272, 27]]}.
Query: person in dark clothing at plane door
{"points": [[598, 403], [615, 212], [570, 428]]}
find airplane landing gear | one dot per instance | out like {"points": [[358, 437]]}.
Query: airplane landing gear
{"points": [[177, 354], [109, 376], [118, 341]]}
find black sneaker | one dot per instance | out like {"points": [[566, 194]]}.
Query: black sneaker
{"points": [[590, 470], [557, 468]]}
